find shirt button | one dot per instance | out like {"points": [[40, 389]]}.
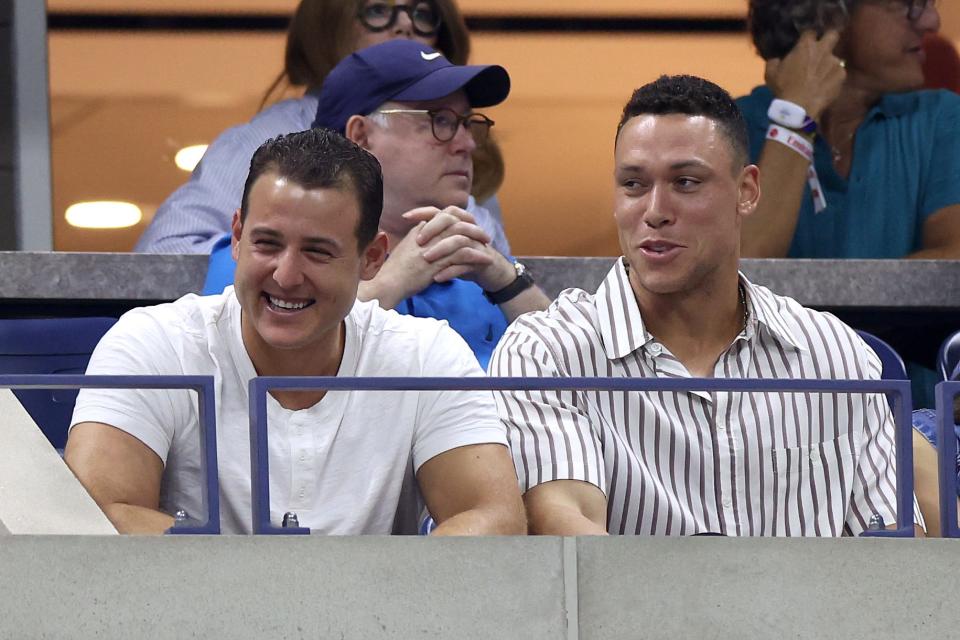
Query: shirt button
{"points": [[720, 425], [655, 349], [303, 493], [303, 456], [727, 502]]}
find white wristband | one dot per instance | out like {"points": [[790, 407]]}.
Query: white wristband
{"points": [[791, 139], [804, 147]]}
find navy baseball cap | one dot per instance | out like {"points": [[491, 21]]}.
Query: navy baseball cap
{"points": [[405, 71]]}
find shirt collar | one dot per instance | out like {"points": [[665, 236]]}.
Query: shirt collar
{"points": [[763, 314], [892, 105], [623, 332], [621, 327]]}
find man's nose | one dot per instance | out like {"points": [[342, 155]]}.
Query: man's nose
{"points": [[657, 212], [288, 273], [463, 139]]}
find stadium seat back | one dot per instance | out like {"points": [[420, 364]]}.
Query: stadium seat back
{"points": [[49, 346], [949, 356], [890, 360]]}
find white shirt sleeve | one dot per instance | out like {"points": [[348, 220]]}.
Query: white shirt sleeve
{"points": [[137, 345], [450, 419]]}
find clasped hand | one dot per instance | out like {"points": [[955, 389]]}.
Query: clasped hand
{"points": [[445, 244]]}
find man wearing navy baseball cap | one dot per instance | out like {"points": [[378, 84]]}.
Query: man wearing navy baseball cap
{"points": [[414, 110]]}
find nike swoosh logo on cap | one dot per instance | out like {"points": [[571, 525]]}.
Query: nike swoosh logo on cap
{"points": [[430, 56]]}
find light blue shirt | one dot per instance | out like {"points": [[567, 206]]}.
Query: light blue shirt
{"points": [[197, 214], [906, 166]]}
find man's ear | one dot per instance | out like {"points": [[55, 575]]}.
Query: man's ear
{"points": [[236, 230], [357, 130], [748, 195], [374, 255]]}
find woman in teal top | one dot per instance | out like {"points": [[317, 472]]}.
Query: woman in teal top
{"points": [[841, 78]]}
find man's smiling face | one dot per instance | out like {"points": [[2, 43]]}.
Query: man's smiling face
{"points": [[298, 265]]}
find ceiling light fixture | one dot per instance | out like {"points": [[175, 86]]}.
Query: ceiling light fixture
{"points": [[104, 214], [188, 157]]}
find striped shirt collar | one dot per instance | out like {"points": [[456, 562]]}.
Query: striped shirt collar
{"points": [[622, 329]]}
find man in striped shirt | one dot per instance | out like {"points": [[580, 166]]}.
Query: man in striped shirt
{"points": [[676, 306]]}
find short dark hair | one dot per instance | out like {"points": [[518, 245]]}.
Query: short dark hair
{"points": [[693, 96], [775, 25], [323, 159]]}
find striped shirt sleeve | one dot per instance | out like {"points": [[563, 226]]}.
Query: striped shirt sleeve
{"points": [[550, 433]]}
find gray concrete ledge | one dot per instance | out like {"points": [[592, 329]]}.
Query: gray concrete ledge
{"points": [[376, 587], [849, 284], [767, 588], [280, 587]]}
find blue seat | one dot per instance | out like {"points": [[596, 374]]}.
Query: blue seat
{"points": [[892, 367], [949, 357], [48, 346], [890, 360]]}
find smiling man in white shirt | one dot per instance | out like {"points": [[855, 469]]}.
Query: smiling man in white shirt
{"points": [[305, 238]]}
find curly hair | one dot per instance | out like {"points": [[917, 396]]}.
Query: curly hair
{"points": [[775, 25], [692, 96]]}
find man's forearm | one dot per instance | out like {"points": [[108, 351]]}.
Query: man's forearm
{"points": [[532, 299], [564, 521], [378, 289], [936, 253], [128, 518], [769, 231], [483, 522]]}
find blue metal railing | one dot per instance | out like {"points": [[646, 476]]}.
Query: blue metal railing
{"points": [[203, 385], [259, 387]]}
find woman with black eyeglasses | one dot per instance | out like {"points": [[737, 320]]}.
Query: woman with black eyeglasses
{"points": [[855, 162], [196, 217]]}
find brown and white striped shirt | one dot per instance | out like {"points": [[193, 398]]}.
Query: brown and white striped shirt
{"points": [[785, 464]]}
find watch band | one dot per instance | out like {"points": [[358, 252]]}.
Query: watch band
{"points": [[521, 283], [790, 115]]}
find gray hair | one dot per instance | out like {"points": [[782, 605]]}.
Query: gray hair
{"points": [[775, 25]]}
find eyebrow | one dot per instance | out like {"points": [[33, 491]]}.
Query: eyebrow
{"points": [[676, 166], [311, 240]]}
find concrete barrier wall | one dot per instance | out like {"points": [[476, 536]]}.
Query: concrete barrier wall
{"points": [[525, 588], [281, 587], [767, 588]]}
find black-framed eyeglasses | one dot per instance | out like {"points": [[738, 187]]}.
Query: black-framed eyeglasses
{"points": [[380, 15], [445, 122]]}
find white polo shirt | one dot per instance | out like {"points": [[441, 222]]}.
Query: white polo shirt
{"points": [[345, 465]]}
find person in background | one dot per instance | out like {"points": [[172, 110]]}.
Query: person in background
{"points": [[675, 306], [321, 33], [413, 110], [347, 463], [855, 161]]}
